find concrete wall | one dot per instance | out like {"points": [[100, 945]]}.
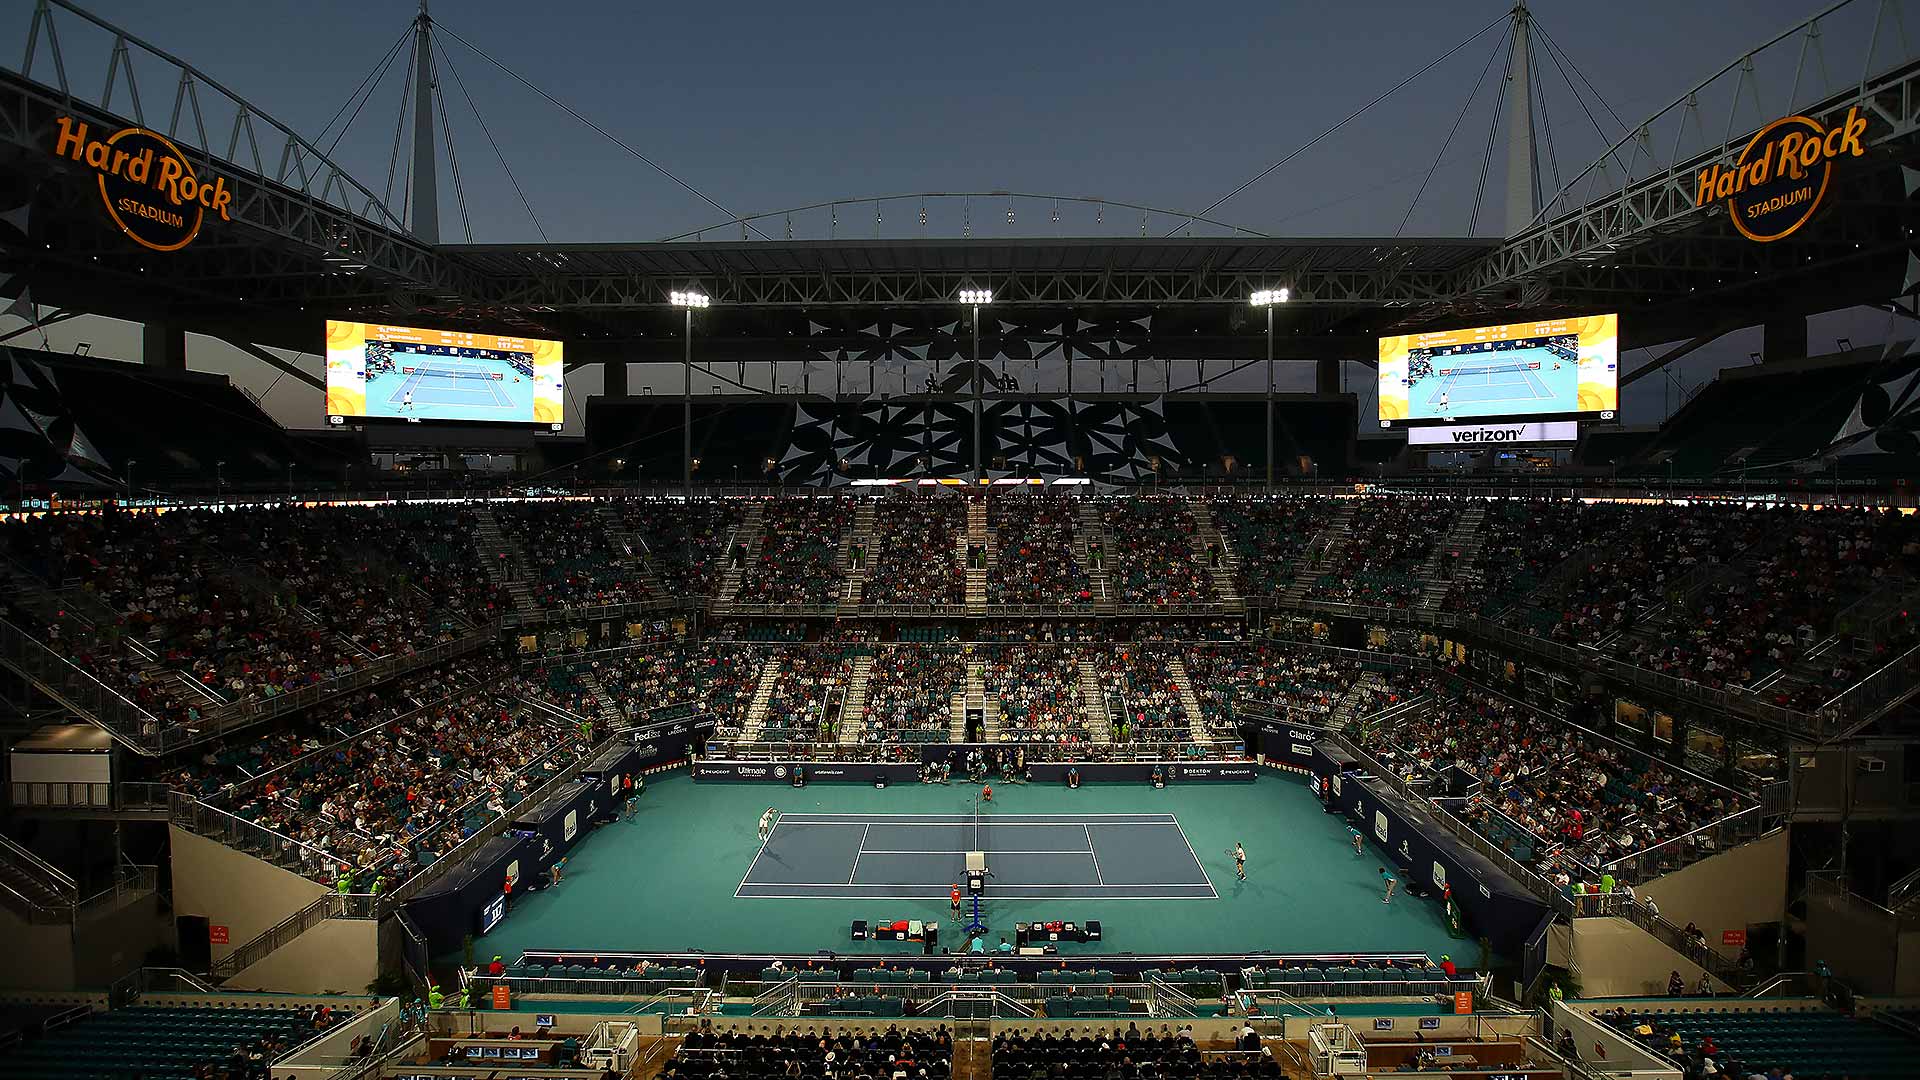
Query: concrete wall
{"points": [[1614, 958], [235, 890], [1730, 891], [1607, 1049], [39, 957], [339, 956]]}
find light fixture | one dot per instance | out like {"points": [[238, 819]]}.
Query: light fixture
{"points": [[1269, 297], [689, 299], [976, 297]]}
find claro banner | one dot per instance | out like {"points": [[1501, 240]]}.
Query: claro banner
{"points": [[149, 187], [1777, 183]]}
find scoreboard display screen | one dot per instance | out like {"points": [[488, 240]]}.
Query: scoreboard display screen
{"points": [[409, 374], [1557, 369]]}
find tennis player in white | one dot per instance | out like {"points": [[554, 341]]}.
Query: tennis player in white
{"points": [[766, 824]]}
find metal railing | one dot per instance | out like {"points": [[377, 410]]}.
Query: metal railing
{"points": [[254, 711], [86, 696], [249, 837], [1184, 751], [1625, 906], [68, 907], [330, 906], [1864, 700]]}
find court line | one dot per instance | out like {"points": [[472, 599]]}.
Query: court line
{"points": [[1095, 856], [861, 850], [963, 851], [756, 859], [942, 889], [1198, 864], [968, 819]]}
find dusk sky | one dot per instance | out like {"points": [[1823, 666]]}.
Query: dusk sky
{"points": [[763, 106]]}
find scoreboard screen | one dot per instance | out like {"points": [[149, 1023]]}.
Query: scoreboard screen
{"points": [[1558, 369], [409, 374]]}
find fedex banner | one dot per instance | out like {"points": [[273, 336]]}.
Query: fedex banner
{"points": [[1494, 434]]}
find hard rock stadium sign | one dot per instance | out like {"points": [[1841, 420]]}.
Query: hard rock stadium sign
{"points": [[148, 185], [1777, 183]]}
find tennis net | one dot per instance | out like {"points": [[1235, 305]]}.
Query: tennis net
{"points": [[438, 373], [1490, 369]]}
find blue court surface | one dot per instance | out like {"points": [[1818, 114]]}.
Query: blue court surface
{"points": [[1497, 384], [451, 388], [1028, 856]]}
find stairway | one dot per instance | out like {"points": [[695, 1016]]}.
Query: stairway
{"points": [[496, 551], [1347, 709], [746, 535], [1094, 701], [977, 535], [957, 718], [1196, 721], [862, 534], [1460, 548], [611, 718], [638, 560], [1090, 532], [756, 719], [1322, 552], [976, 698], [1208, 538], [853, 710]]}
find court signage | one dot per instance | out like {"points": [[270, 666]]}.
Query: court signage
{"points": [[149, 187], [1780, 178]]}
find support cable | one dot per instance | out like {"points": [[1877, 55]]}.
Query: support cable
{"points": [[1546, 127], [367, 87], [508, 169], [1465, 107], [393, 159], [1350, 117], [453, 159], [603, 132], [1493, 129]]}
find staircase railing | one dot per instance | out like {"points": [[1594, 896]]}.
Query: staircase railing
{"points": [[87, 696], [1167, 999]]}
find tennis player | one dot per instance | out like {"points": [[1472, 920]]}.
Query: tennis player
{"points": [[406, 401], [766, 824], [1240, 860]]}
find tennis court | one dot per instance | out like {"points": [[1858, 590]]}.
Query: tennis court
{"points": [[670, 878], [1504, 383], [1029, 857], [448, 389]]}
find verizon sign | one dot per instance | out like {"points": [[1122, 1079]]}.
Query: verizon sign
{"points": [[1494, 434]]}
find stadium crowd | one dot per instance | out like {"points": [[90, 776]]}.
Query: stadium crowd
{"points": [[1387, 546], [1150, 552], [910, 693], [1034, 553], [916, 558], [798, 557], [571, 558], [776, 1052]]}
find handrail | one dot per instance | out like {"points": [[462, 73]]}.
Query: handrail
{"points": [[139, 729], [275, 936], [204, 819], [62, 883]]}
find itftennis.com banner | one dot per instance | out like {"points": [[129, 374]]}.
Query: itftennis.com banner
{"points": [[1556, 431]]}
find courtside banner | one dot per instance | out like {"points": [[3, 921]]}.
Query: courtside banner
{"points": [[1560, 431], [1290, 744]]}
